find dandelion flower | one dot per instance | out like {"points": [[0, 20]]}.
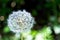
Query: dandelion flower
{"points": [[20, 21]]}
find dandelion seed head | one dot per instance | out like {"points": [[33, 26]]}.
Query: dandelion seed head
{"points": [[20, 21]]}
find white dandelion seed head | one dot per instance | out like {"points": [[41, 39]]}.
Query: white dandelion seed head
{"points": [[20, 21]]}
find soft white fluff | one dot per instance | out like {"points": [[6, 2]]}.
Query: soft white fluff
{"points": [[20, 21]]}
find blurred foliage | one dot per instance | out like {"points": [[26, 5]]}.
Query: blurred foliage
{"points": [[6, 29], [40, 9]]}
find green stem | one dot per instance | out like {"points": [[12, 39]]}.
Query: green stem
{"points": [[22, 37]]}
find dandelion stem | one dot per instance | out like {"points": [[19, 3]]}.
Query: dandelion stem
{"points": [[22, 37]]}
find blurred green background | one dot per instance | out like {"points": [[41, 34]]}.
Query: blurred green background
{"points": [[45, 12]]}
